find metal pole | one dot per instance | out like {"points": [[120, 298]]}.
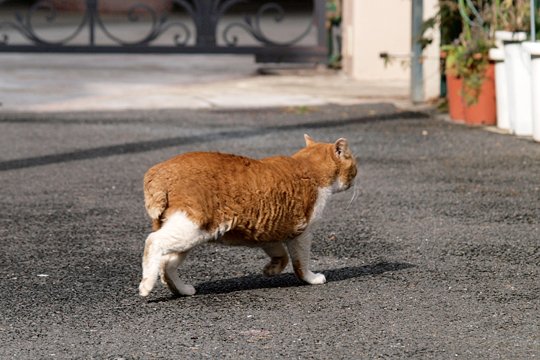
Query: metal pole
{"points": [[319, 9], [533, 20], [417, 70], [91, 10]]}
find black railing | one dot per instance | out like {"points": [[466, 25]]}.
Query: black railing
{"points": [[195, 26]]}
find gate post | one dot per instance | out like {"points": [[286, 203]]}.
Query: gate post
{"points": [[91, 10], [205, 22], [319, 9]]}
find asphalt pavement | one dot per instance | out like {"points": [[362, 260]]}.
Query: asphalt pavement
{"points": [[436, 257]]}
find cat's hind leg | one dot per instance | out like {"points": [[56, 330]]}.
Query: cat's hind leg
{"points": [[150, 264], [278, 258], [299, 250], [177, 235], [169, 276]]}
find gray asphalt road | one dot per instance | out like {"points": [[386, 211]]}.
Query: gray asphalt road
{"points": [[438, 256]]}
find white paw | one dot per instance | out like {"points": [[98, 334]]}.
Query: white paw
{"points": [[187, 290], [315, 279], [143, 289]]}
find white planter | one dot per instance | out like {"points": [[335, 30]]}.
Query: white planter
{"points": [[517, 64], [501, 89], [533, 48], [502, 36]]}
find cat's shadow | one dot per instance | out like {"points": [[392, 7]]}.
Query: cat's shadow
{"points": [[252, 282]]}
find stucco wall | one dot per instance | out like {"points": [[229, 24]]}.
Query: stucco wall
{"points": [[373, 27]]}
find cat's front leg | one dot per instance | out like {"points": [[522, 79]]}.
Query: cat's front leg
{"points": [[299, 250], [278, 258]]}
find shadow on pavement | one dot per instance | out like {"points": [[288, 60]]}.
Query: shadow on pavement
{"points": [[143, 146], [252, 282]]}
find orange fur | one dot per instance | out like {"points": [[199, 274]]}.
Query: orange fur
{"points": [[262, 201], [267, 200]]}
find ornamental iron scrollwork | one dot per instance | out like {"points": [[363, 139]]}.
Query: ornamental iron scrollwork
{"points": [[25, 26], [92, 20], [199, 33], [252, 25]]}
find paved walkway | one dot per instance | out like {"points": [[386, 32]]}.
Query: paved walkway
{"points": [[59, 83]]}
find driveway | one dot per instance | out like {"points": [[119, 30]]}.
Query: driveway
{"points": [[436, 257]]}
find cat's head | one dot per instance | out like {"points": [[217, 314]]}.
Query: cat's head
{"points": [[334, 162]]}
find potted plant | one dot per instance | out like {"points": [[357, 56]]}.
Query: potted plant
{"points": [[478, 74], [448, 20], [454, 82], [474, 66], [469, 73]]}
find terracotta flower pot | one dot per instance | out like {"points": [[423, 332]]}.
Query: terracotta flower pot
{"points": [[456, 104], [114, 6], [484, 112]]}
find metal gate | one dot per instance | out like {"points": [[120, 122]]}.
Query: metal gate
{"points": [[203, 27]]}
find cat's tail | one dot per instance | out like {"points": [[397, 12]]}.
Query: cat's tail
{"points": [[155, 201]]}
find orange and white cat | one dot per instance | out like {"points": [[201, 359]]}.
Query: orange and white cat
{"points": [[273, 203]]}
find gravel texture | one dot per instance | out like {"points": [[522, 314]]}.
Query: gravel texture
{"points": [[437, 256]]}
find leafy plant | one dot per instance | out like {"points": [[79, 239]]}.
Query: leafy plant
{"points": [[467, 54], [512, 15], [471, 57], [451, 54], [472, 63], [447, 19]]}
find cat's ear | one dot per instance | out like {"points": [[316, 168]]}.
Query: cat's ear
{"points": [[309, 140], [341, 147]]}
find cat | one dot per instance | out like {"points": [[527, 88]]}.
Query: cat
{"points": [[272, 203]]}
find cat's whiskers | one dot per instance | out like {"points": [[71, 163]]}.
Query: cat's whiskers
{"points": [[353, 197]]}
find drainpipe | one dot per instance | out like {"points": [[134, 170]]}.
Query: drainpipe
{"points": [[533, 20], [417, 71]]}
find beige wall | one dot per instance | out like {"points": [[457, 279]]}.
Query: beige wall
{"points": [[375, 27], [371, 27]]}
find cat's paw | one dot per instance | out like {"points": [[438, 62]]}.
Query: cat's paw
{"points": [[272, 269], [315, 279], [187, 290], [145, 288]]}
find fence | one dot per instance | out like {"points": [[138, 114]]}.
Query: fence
{"points": [[166, 27]]}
